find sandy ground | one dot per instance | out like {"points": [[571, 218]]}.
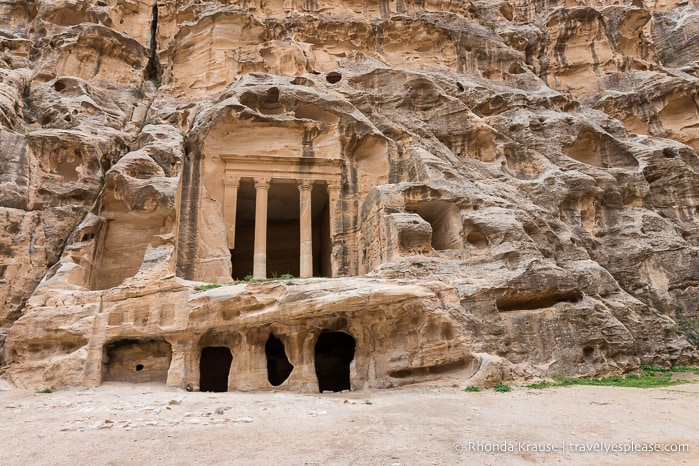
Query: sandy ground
{"points": [[145, 424]]}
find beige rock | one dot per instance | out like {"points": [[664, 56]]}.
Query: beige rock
{"points": [[473, 191]]}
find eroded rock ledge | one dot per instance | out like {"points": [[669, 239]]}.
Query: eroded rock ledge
{"points": [[471, 191]]}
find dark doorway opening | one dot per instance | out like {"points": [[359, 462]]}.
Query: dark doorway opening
{"points": [[333, 354], [278, 366], [214, 367], [283, 236], [242, 254], [322, 243]]}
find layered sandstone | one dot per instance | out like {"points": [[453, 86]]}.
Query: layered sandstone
{"points": [[471, 191]]}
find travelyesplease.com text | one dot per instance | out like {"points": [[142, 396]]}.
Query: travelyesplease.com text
{"points": [[570, 447]]}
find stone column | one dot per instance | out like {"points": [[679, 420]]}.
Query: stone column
{"points": [[177, 373], [259, 268], [230, 204], [335, 220], [305, 222]]}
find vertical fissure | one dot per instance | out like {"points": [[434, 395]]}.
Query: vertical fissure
{"points": [[189, 213], [153, 71]]}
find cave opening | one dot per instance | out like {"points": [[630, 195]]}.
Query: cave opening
{"points": [[334, 351], [333, 77], [137, 361], [278, 366], [445, 219], [214, 367]]}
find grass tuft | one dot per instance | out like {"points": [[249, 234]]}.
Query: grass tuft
{"points": [[209, 286], [651, 376], [251, 279]]}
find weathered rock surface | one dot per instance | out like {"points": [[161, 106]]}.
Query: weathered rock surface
{"points": [[482, 190]]}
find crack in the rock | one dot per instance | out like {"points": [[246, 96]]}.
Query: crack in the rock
{"points": [[153, 71]]}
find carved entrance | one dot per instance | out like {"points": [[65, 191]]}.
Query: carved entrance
{"points": [[334, 352], [214, 367], [277, 212]]}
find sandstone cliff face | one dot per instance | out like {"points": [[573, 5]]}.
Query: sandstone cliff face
{"points": [[482, 190]]}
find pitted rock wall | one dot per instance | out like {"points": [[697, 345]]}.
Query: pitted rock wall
{"points": [[517, 185]]}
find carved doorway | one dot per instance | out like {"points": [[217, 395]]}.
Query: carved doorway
{"points": [[334, 351], [214, 367]]}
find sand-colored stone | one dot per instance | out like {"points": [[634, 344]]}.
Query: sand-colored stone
{"points": [[476, 192]]}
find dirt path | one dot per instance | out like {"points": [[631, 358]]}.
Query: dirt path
{"points": [[143, 424]]}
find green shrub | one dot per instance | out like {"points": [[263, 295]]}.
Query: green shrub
{"points": [[502, 388], [472, 388], [651, 370], [652, 376], [694, 370], [45, 390]]}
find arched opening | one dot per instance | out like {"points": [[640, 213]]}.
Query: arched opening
{"points": [[137, 361], [334, 352], [214, 366], [278, 366]]}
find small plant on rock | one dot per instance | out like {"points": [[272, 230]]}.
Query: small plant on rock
{"points": [[21, 130], [209, 286], [666, 56], [138, 91], [689, 326]]}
